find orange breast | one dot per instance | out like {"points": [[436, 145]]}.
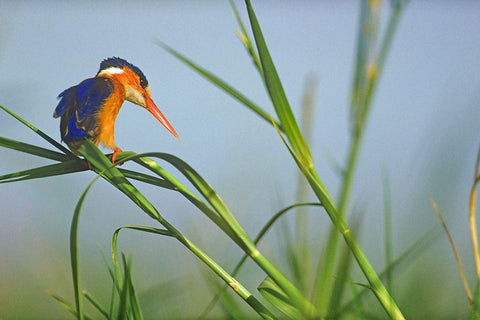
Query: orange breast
{"points": [[107, 115]]}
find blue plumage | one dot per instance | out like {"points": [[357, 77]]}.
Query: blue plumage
{"points": [[79, 106]]}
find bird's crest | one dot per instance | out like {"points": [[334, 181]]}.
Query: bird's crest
{"points": [[116, 62]]}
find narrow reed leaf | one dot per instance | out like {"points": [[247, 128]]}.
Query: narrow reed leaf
{"points": [[302, 250], [74, 251], [342, 273], [455, 251], [201, 185], [209, 193], [178, 186], [132, 294], [228, 304], [95, 303], [99, 161], [218, 82], [341, 279], [475, 307], [162, 232], [123, 306], [388, 232], [34, 150], [243, 35], [258, 238], [114, 288], [245, 242], [277, 94], [40, 133], [70, 308], [319, 189], [323, 282], [102, 165], [139, 176], [405, 258], [231, 308], [113, 296], [472, 216], [279, 299], [66, 167], [116, 272]]}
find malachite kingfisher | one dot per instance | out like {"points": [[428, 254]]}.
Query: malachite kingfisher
{"points": [[89, 109]]}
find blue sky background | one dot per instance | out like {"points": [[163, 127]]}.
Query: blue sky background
{"points": [[423, 127]]}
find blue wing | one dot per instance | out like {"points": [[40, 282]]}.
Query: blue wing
{"points": [[79, 106]]}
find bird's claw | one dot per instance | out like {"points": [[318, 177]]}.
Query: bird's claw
{"points": [[115, 153]]}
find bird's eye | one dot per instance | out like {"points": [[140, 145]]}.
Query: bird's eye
{"points": [[143, 82]]}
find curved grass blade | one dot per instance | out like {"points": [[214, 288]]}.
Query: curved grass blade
{"points": [[377, 286], [258, 238], [474, 311], [412, 252], [114, 287], [117, 276], [206, 190], [228, 303], [388, 233], [66, 305], [277, 94], [243, 35], [342, 273], [123, 308], [135, 304], [236, 229], [147, 179], [178, 186], [70, 166], [129, 306], [74, 251], [277, 297], [246, 242], [95, 304], [363, 88], [218, 82], [32, 149], [40, 133], [103, 165], [455, 251], [53, 155]]}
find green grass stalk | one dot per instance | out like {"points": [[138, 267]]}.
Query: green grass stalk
{"points": [[103, 165]]}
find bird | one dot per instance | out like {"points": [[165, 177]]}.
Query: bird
{"points": [[89, 109]]}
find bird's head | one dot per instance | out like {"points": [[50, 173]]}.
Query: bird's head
{"points": [[136, 86]]}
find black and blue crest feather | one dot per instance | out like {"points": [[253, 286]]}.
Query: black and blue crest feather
{"points": [[117, 62]]}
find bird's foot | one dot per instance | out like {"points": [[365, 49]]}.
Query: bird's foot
{"points": [[114, 155]]}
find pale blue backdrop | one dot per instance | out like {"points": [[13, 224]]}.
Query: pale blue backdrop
{"points": [[424, 128]]}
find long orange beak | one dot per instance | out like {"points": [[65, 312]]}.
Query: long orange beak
{"points": [[152, 108]]}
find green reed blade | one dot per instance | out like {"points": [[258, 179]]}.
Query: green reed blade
{"points": [[95, 303], [34, 150], [258, 238], [243, 35], [218, 82], [278, 298], [40, 133], [66, 167], [74, 251], [277, 94]]}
